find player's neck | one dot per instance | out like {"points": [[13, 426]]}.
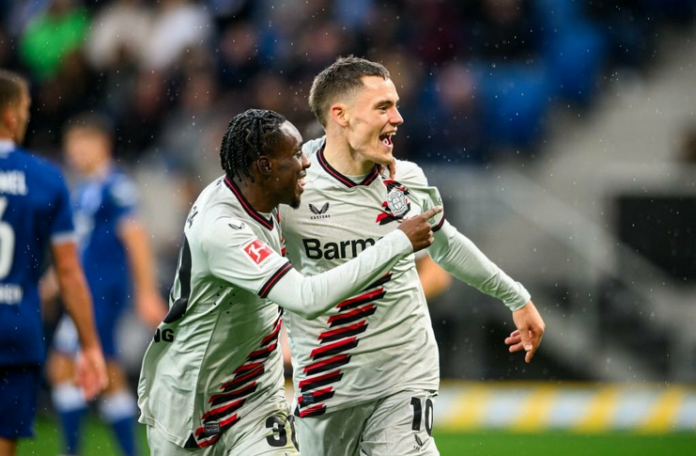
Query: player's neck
{"points": [[98, 170], [7, 135], [255, 195], [346, 160]]}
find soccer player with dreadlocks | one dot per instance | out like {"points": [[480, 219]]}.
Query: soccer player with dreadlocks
{"points": [[212, 378]]}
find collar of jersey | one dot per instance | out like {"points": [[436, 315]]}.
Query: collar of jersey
{"points": [[7, 146], [348, 182], [253, 213]]}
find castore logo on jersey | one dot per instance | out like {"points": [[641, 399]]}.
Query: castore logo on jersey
{"points": [[319, 213]]}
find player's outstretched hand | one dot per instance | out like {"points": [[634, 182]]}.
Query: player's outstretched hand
{"points": [[418, 229], [90, 372], [530, 330]]}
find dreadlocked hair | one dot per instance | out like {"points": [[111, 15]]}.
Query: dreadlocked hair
{"points": [[249, 135]]}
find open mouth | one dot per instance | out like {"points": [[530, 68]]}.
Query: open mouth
{"points": [[387, 139], [301, 181]]}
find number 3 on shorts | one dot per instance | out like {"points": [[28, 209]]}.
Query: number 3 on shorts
{"points": [[417, 404], [280, 433]]}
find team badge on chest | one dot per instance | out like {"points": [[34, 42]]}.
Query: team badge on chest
{"points": [[396, 205]]}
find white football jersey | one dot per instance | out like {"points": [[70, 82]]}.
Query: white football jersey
{"points": [[214, 360], [380, 341]]}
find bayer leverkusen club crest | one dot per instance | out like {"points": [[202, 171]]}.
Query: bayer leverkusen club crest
{"points": [[397, 204]]}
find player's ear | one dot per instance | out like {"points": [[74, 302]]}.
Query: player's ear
{"points": [[339, 114], [8, 117], [264, 164]]}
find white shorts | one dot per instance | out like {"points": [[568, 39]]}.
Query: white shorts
{"points": [[271, 435], [398, 425]]}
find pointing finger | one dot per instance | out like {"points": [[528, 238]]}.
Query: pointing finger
{"points": [[432, 211]]}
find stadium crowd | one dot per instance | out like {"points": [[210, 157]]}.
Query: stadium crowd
{"points": [[477, 78]]}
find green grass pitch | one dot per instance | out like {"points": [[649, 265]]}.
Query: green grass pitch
{"points": [[98, 441]]}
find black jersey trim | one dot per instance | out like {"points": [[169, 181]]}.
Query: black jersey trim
{"points": [[270, 283], [265, 222], [439, 225], [340, 177]]}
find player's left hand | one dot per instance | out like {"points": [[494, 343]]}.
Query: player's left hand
{"points": [[530, 330], [90, 372]]}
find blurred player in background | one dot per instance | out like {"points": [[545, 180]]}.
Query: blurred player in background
{"points": [[34, 213], [365, 375], [212, 379], [117, 259]]}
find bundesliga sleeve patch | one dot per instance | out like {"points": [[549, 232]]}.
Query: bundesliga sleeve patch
{"points": [[257, 252]]}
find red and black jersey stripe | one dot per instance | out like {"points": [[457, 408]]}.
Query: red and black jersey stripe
{"points": [[220, 412], [381, 281], [320, 380], [248, 367], [329, 356], [245, 377], [263, 353], [235, 392], [327, 364], [270, 283], [346, 331], [353, 315], [317, 410], [224, 425], [313, 397], [218, 399], [359, 300], [334, 348], [274, 335]]}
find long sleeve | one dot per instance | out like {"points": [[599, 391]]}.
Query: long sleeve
{"points": [[461, 258], [310, 297]]}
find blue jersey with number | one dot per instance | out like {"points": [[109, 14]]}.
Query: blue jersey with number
{"points": [[34, 211], [100, 205]]}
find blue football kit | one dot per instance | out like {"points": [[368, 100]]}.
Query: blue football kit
{"points": [[35, 211], [100, 204]]}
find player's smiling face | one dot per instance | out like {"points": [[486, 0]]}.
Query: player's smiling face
{"points": [[373, 118], [289, 166]]}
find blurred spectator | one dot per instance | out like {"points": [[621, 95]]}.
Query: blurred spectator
{"points": [[238, 54], [176, 26], [50, 37], [118, 34], [139, 125], [454, 125], [474, 77], [505, 31], [185, 127]]}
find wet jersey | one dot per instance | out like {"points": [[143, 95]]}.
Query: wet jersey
{"points": [[215, 357], [379, 341], [214, 363]]}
